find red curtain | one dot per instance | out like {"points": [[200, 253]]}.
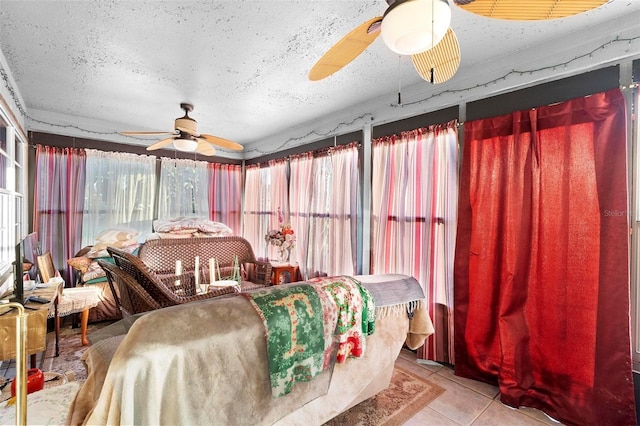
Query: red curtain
{"points": [[541, 283]]}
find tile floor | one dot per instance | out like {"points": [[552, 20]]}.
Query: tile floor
{"points": [[465, 402]]}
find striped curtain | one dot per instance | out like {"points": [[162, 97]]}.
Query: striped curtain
{"points": [[300, 187], [225, 195], [414, 217], [325, 192], [58, 203], [265, 193]]}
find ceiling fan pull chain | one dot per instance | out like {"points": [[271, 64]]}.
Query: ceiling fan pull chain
{"points": [[433, 75], [399, 82]]}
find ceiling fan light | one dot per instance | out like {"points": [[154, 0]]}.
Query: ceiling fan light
{"points": [[187, 145], [407, 25]]}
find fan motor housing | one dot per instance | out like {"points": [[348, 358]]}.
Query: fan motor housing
{"points": [[188, 124]]}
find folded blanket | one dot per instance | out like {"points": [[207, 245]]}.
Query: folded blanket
{"points": [[356, 314], [295, 319], [302, 322]]}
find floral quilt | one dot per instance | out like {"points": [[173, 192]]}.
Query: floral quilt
{"points": [[304, 322]]}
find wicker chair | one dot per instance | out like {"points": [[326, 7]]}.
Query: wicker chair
{"points": [[130, 297], [169, 292]]}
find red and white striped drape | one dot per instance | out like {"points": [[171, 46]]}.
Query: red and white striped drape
{"points": [[265, 193], [324, 204], [300, 188], [225, 195], [414, 217], [58, 202]]}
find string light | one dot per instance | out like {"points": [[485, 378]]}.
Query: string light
{"points": [[333, 131], [311, 133], [522, 72]]}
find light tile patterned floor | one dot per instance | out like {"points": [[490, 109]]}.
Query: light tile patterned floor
{"points": [[465, 402]]}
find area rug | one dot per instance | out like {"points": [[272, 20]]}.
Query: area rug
{"points": [[71, 350], [406, 395]]}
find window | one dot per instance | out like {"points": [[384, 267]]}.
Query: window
{"points": [[12, 201], [183, 189], [119, 193]]}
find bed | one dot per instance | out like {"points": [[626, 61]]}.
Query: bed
{"points": [[206, 363]]}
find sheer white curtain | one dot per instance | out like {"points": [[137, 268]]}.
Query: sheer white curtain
{"points": [[183, 189], [414, 207], [119, 193], [325, 196], [265, 193]]}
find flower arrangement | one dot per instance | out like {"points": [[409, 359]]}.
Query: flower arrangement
{"points": [[283, 238]]}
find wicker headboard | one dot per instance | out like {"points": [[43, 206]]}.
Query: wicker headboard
{"points": [[161, 255]]}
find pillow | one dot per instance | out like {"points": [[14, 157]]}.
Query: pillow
{"points": [[100, 249], [113, 235], [184, 231], [193, 223], [80, 263], [169, 235], [93, 271]]}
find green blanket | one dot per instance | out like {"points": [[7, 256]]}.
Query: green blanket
{"points": [[303, 321]]}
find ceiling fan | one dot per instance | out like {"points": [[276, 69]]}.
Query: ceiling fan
{"points": [[420, 28], [185, 136]]}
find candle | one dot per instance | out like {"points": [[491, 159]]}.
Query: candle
{"points": [[212, 270], [218, 267], [178, 272], [197, 271]]}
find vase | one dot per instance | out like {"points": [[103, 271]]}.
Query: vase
{"points": [[284, 254]]}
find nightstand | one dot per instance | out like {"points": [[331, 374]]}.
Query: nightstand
{"points": [[283, 272]]}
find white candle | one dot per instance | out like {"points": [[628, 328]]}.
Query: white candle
{"points": [[178, 267], [197, 270], [212, 270]]}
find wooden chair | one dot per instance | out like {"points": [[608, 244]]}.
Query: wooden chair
{"points": [[163, 292], [46, 268], [78, 304], [130, 297]]}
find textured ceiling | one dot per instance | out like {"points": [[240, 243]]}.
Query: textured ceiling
{"points": [[109, 66]]}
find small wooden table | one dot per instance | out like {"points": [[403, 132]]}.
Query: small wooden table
{"points": [[281, 270], [37, 314]]}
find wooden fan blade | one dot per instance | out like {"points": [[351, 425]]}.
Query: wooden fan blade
{"points": [[528, 10], [205, 148], [346, 50], [223, 143], [443, 59], [160, 144], [146, 133]]}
